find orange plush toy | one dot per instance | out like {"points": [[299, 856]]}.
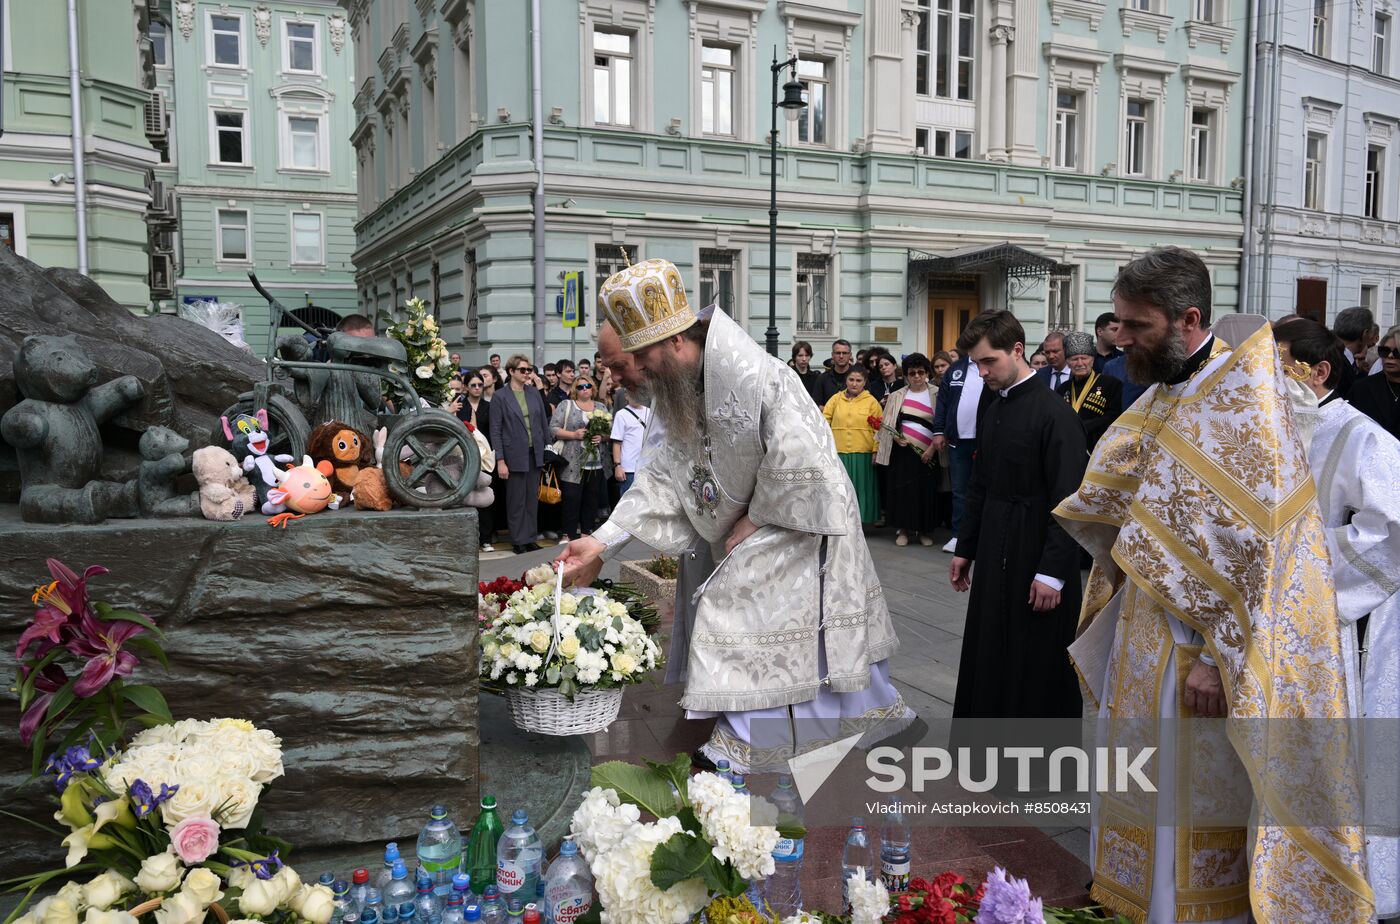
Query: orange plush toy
{"points": [[347, 450], [304, 488]]}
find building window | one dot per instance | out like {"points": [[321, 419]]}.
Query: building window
{"points": [[921, 140], [1060, 307], [1205, 10], [1067, 129], [233, 235], [1310, 300], [812, 123], [1368, 299], [923, 48], [717, 279], [1314, 164], [1143, 5], [300, 50], [304, 143], [1380, 44], [612, 78], [7, 230], [1135, 138], [307, 246], [160, 42], [1202, 139], [717, 90], [813, 278], [608, 259], [226, 40], [1319, 27], [954, 42], [955, 144], [1375, 175], [471, 314], [230, 139]]}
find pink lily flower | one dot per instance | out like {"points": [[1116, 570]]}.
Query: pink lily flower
{"points": [[50, 680], [102, 646]]}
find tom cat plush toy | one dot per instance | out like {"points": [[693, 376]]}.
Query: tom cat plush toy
{"points": [[248, 438]]}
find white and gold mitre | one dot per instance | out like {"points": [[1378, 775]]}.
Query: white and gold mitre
{"points": [[646, 303]]}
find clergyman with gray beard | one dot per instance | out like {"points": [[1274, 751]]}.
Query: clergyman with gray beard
{"points": [[748, 477]]}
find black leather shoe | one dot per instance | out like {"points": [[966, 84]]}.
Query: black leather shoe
{"points": [[700, 762], [520, 549], [533, 547]]}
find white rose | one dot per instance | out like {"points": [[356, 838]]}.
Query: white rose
{"points": [[160, 872], [94, 916], [424, 372], [569, 647], [624, 663], [238, 797], [568, 604], [180, 908], [259, 897], [287, 882], [314, 903], [198, 764], [239, 877], [203, 884], [72, 893], [194, 797], [60, 911], [102, 891], [617, 609]]}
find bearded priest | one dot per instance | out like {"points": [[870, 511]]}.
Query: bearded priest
{"points": [[1211, 597], [788, 639]]}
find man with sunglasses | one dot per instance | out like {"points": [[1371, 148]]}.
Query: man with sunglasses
{"points": [[519, 435]]}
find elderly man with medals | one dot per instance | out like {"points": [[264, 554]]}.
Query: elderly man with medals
{"points": [[1211, 596], [1095, 397], [787, 639]]}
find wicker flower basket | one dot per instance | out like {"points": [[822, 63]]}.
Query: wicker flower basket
{"points": [[216, 910], [549, 712]]}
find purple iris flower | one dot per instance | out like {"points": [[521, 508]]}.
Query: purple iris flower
{"points": [[144, 800]]}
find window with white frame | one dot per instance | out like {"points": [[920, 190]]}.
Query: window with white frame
{"points": [[717, 82], [1067, 124], [950, 35], [1314, 171], [612, 78], [303, 147], [1205, 10], [233, 235], [1143, 5], [300, 52], [1060, 312], [813, 122], [1202, 146], [921, 139], [813, 297], [1319, 35], [225, 40], [230, 141], [923, 49], [951, 143], [308, 243], [1375, 178], [1136, 137], [1380, 44], [159, 34], [717, 279]]}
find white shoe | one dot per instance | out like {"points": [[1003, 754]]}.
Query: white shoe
{"points": [[901, 540], [551, 535], [951, 545], [487, 547], [925, 540]]}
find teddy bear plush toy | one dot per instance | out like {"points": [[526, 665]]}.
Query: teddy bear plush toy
{"points": [[224, 492]]}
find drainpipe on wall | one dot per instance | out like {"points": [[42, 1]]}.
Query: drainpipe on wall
{"points": [[75, 90], [2, 67], [537, 127], [1275, 91], [1246, 262]]}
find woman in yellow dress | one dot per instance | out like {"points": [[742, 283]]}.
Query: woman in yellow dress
{"points": [[849, 413]]}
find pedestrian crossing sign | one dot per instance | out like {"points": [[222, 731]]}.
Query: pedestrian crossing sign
{"points": [[572, 314]]}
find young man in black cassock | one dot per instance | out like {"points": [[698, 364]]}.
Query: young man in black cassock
{"points": [[1025, 587]]}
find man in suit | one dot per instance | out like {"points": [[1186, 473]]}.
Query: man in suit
{"points": [[519, 434], [955, 426], [1057, 372]]}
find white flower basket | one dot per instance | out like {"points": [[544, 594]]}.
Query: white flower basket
{"points": [[549, 712]]}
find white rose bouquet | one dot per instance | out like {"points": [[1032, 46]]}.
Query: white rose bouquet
{"points": [[429, 362], [600, 645]]}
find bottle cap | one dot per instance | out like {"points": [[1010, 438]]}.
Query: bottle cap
{"points": [[327, 878], [407, 911], [439, 811], [373, 896], [454, 897], [568, 848], [400, 871], [488, 802], [369, 916], [738, 779], [360, 876], [491, 892], [340, 888], [532, 914], [519, 817], [391, 851], [857, 822], [461, 882], [425, 884], [471, 913], [784, 782], [721, 764], [514, 905]]}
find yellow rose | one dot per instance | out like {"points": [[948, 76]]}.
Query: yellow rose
{"points": [[539, 640], [569, 647], [568, 604], [624, 663]]}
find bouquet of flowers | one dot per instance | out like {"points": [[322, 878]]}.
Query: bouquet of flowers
{"points": [[701, 849], [429, 363], [600, 645], [491, 598], [875, 421], [597, 423]]}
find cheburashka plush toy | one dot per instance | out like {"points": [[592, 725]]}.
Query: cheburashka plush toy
{"points": [[347, 450]]}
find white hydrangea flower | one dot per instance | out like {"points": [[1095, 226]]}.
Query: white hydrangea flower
{"points": [[725, 818], [623, 879], [870, 901], [601, 822], [802, 917]]}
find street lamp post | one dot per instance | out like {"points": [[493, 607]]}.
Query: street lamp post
{"points": [[791, 104]]}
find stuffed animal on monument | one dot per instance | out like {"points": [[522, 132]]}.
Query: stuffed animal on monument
{"points": [[224, 492], [482, 495], [347, 450], [247, 436], [301, 490], [371, 490]]}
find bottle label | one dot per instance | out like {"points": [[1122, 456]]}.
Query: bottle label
{"points": [[895, 873], [568, 910], [788, 849], [449, 864], [510, 876]]}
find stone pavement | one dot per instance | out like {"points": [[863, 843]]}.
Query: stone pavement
{"points": [[929, 617]]}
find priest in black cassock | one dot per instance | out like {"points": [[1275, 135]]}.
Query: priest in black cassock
{"points": [[1025, 585]]}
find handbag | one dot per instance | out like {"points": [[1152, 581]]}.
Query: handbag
{"points": [[554, 453], [557, 447], [549, 488]]}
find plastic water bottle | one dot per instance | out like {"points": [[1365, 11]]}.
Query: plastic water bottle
{"points": [[359, 885], [471, 912], [568, 887], [391, 853], [429, 905], [493, 910], [737, 781], [518, 859], [895, 850], [440, 849], [480, 861], [722, 768], [531, 915], [856, 854], [399, 892], [452, 914], [374, 901], [408, 915], [340, 890], [369, 916], [515, 909], [462, 886], [389, 914], [783, 889]]}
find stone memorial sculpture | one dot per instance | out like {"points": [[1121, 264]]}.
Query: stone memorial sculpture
{"points": [[54, 432], [163, 452]]}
